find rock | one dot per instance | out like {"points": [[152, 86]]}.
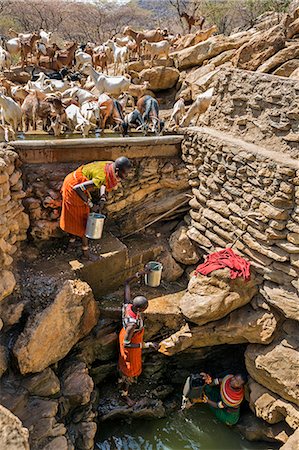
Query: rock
{"points": [[77, 385], [44, 384], [254, 429], [59, 443], [172, 271], [260, 47], [83, 435], [13, 435], [145, 408], [292, 443], [3, 360], [160, 78], [270, 407], [279, 58], [7, 283], [287, 68], [212, 297], [51, 334], [275, 366], [198, 237], [293, 29], [11, 310], [271, 212], [286, 301], [182, 248], [100, 373], [197, 54], [240, 326]]}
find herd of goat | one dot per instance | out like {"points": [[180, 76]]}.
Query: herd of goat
{"points": [[67, 93]]}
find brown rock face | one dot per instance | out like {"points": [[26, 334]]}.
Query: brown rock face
{"points": [[182, 248], [275, 366], [3, 360], [13, 435], [211, 298], [260, 48], [240, 326], [292, 443], [77, 385], [160, 78], [286, 301], [171, 269], [50, 335], [279, 58]]}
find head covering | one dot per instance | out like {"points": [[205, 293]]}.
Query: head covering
{"points": [[231, 397], [111, 178]]}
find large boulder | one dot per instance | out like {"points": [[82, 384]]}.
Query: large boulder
{"points": [[260, 48], [285, 301], [77, 385], [160, 77], [7, 283], [197, 54], [287, 68], [172, 271], [240, 326], [254, 429], [212, 297], [43, 384], [292, 443], [275, 366], [270, 407], [279, 58], [51, 334], [182, 248], [13, 436]]}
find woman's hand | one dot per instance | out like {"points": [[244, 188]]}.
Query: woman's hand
{"points": [[94, 208], [206, 377], [153, 345]]}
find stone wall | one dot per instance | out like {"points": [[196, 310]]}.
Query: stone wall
{"points": [[261, 108], [156, 185], [13, 220]]}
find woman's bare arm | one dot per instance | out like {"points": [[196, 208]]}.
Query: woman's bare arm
{"points": [[128, 336]]}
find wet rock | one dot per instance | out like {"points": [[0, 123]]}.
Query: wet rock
{"points": [[144, 408], [286, 301], [11, 310], [240, 326], [292, 443], [182, 248], [3, 360], [254, 429], [212, 297], [270, 407], [77, 385], [172, 271], [50, 335], [44, 384], [275, 366], [83, 435], [159, 78], [59, 443], [260, 47], [100, 373], [13, 435]]}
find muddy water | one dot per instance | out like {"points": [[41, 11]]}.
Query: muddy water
{"points": [[196, 429]]}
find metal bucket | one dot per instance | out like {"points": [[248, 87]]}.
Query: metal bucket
{"points": [[94, 226], [153, 278]]}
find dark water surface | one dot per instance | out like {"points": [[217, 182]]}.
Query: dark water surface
{"points": [[196, 429]]}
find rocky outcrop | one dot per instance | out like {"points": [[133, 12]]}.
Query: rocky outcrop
{"points": [[159, 78], [50, 335], [254, 429], [211, 298], [182, 248], [77, 385], [279, 58], [292, 442], [13, 435], [262, 363], [285, 301]]}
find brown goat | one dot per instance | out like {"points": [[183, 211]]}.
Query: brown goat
{"points": [[100, 59]]}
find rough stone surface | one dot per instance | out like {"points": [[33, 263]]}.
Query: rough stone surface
{"points": [[182, 248], [159, 78], [254, 429], [275, 366], [286, 301], [43, 384], [13, 435], [171, 269], [212, 297], [292, 443], [50, 335], [77, 385]]}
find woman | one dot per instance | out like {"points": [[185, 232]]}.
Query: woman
{"points": [[131, 338], [76, 197], [224, 396]]}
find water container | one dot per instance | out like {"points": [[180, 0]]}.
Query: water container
{"points": [[153, 278], [94, 226]]}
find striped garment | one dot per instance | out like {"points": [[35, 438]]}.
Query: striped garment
{"points": [[231, 397]]}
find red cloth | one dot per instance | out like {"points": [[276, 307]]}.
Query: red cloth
{"points": [[239, 267], [111, 178], [232, 397]]}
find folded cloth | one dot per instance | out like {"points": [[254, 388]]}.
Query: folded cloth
{"points": [[239, 267]]}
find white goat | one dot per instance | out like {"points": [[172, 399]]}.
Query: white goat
{"points": [[105, 83], [13, 46], [199, 106], [91, 112], [120, 55], [44, 36], [156, 49], [79, 94], [76, 121], [11, 112], [82, 58], [5, 59], [179, 110]]}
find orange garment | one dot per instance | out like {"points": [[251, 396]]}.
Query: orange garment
{"points": [[130, 359], [74, 211]]}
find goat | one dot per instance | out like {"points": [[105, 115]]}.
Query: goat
{"points": [[46, 50], [65, 58], [156, 49], [100, 59], [149, 108], [44, 36], [36, 107], [120, 55], [76, 121], [28, 48], [134, 120], [149, 35], [82, 58], [91, 112], [105, 83], [178, 112], [199, 106], [81, 95], [5, 59], [11, 112]]}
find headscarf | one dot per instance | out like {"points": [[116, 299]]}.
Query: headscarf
{"points": [[231, 397], [111, 178]]}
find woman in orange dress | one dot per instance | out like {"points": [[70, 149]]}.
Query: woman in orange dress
{"points": [[76, 194], [131, 338]]}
